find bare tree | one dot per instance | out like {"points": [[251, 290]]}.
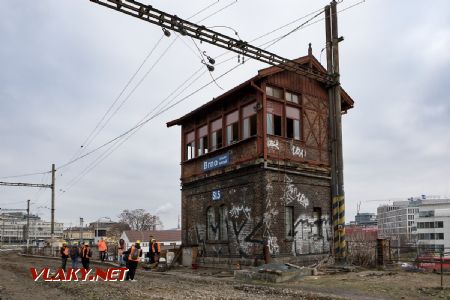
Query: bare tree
{"points": [[139, 219], [116, 229]]}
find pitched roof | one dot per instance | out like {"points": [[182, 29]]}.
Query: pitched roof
{"points": [[159, 235], [308, 59]]}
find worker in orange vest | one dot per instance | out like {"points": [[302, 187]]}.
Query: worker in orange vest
{"points": [[86, 255], [64, 255], [134, 256], [102, 249], [155, 249]]}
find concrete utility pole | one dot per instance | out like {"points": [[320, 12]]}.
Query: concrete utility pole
{"points": [[337, 162]]}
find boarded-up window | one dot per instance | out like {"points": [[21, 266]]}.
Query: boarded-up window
{"points": [[317, 214], [212, 231], [289, 221], [223, 212]]}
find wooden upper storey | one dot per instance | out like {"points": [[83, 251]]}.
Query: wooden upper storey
{"points": [[277, 116]]}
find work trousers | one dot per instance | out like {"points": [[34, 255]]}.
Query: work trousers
{"points": [[74, 262], [63, 263], [132, 266], [85, 263], [102, 255]]}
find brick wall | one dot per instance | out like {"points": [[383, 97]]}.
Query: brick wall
{"points": [[252, 205]]}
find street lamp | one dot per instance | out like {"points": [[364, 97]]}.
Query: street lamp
{"points": [[96, 231]]}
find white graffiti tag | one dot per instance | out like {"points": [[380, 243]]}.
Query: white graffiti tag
{"points": [[297, 151], [273, 144], [291, 193], [236, 210]]}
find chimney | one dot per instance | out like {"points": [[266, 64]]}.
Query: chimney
{"points": [[310, 50]]}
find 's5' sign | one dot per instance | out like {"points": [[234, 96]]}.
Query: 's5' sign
{"points": [[216, 195]]}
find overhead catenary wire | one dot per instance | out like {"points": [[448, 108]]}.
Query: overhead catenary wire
{"points": [[116, 144], [218, 11], [182, 40], [94, 133], [139, 125], [268, 33], [184, 98], [25, 175]]}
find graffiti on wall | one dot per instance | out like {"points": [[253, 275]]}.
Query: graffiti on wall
{"points": [[273, 144], [312, 234], [236, 210], [292, 193], [247, 227], [298, 151]]}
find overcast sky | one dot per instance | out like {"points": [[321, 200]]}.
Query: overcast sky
{"points": [[64, 63]]}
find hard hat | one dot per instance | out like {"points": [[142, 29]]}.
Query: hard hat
{"points": [[138, 241], [75, 243], [64, 243], [153, 240]]}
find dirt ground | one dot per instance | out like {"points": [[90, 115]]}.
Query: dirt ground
{"points": [[183, 283]]}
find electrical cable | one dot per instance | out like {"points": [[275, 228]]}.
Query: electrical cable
{"points": [[90, 137], [184, 98], [215, 13], [25, 175], [101, 157], [202, 10]]}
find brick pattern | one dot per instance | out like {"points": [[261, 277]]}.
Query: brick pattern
{"points": [[255, 200]]}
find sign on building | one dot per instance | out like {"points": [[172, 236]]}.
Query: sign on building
{"points": [[215, 195], [216, 162]]}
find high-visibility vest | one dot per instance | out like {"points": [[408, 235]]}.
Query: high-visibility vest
{"points": [[66, 251], [85, 252], [158, 247], [102, 246], [133, 248]]}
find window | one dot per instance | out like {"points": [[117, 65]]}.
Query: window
{"points": [[291, 97], [274, 124], [216, 134], [190, 145], [203, 140], [212, 231], [274, 113], [317, 214], [249, 120], [292, 123], [223, 212], [289, 221], [274, 92], [232, 127]]}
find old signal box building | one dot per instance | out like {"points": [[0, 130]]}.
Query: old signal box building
{"points": [[255, 169]]}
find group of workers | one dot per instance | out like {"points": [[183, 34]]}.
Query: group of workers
{"points": [[74, 252], [127, 257]]}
